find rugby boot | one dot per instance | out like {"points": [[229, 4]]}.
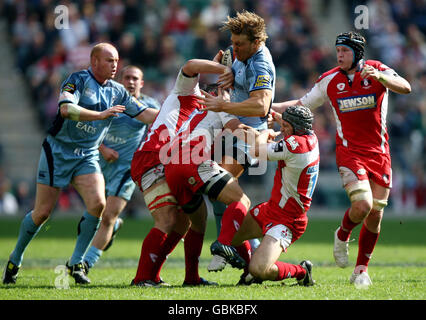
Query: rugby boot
{"points": [[203, 282], [340, 251], [10, 273], [229, 253], [78, 272], [307, 279]]}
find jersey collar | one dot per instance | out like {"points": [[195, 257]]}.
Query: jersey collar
{"points": [[255, 54], [89, 70]]}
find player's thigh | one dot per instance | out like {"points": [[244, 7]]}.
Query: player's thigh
{"points": [[379, 192], [91, 188], [232, 192], [249, 229]]}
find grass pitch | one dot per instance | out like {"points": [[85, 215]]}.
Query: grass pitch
{"points": [[398, 267]]}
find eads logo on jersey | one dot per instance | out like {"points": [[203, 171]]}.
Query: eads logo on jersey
{"points": [[357, 103]]}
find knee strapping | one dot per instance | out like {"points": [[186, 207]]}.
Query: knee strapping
{"points": [[159, 197], [359, 190], [379, 204]]}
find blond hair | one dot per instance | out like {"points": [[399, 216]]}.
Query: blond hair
{"points": [[248, 23]]}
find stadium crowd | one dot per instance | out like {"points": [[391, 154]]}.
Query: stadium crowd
{"points": [[160, 35]]}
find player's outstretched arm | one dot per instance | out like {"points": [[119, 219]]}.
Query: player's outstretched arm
{"points": [[256, 105], [195, 66], [281, 106], [148, 115], [75, 112]]}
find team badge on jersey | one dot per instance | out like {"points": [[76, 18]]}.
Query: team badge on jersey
{"points": [[262, 81], [69, 87], [366, 83], [341, 86]]}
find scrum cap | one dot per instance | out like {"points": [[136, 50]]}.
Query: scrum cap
{"points": [[301, 118]]}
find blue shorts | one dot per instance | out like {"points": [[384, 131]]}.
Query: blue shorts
{"points": [[59, 164], [118, 181]]}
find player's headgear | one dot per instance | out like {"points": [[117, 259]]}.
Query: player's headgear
{"points": [[353, 41], [212, 88], [300, 117]]}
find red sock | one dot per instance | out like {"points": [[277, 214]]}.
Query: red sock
{"points": [[348, 225], [366, 243], [288, 270], [244, 251], [169, 245], [151, 249], [231, 221], [193, 245]]}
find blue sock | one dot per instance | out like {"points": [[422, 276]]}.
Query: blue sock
{"points": [[116, 224], [92, 256], [87, 228], [27, 232]]}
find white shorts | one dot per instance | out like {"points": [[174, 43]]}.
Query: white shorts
{"points": [[281, 233]]}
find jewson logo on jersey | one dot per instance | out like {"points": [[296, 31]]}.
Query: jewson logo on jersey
{"points": [[357, 103], [313, 169]]}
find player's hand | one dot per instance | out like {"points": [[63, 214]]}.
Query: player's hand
{"points": [[270, 121], [218, 57], [370, 72], [112, 112], [272, 135], [226, 79], [110, 155], [276, 116], [210, 102]]}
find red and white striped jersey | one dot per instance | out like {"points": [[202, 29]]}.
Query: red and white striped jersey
{"points": [[359, 105], [176, 109], [297, 172]]}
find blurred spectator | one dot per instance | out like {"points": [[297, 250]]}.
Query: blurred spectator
{"points": [[8, 202], [78, 30], [214, 14], [24, 197]]}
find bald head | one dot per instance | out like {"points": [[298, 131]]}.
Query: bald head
{"points": [[101, 47], [104, 60]]}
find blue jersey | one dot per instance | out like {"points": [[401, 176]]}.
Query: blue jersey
{"points": [[125, 134], [81, 88], [257, 73]]}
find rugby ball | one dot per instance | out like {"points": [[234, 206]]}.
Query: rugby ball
{"points": [[228, 57]]}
